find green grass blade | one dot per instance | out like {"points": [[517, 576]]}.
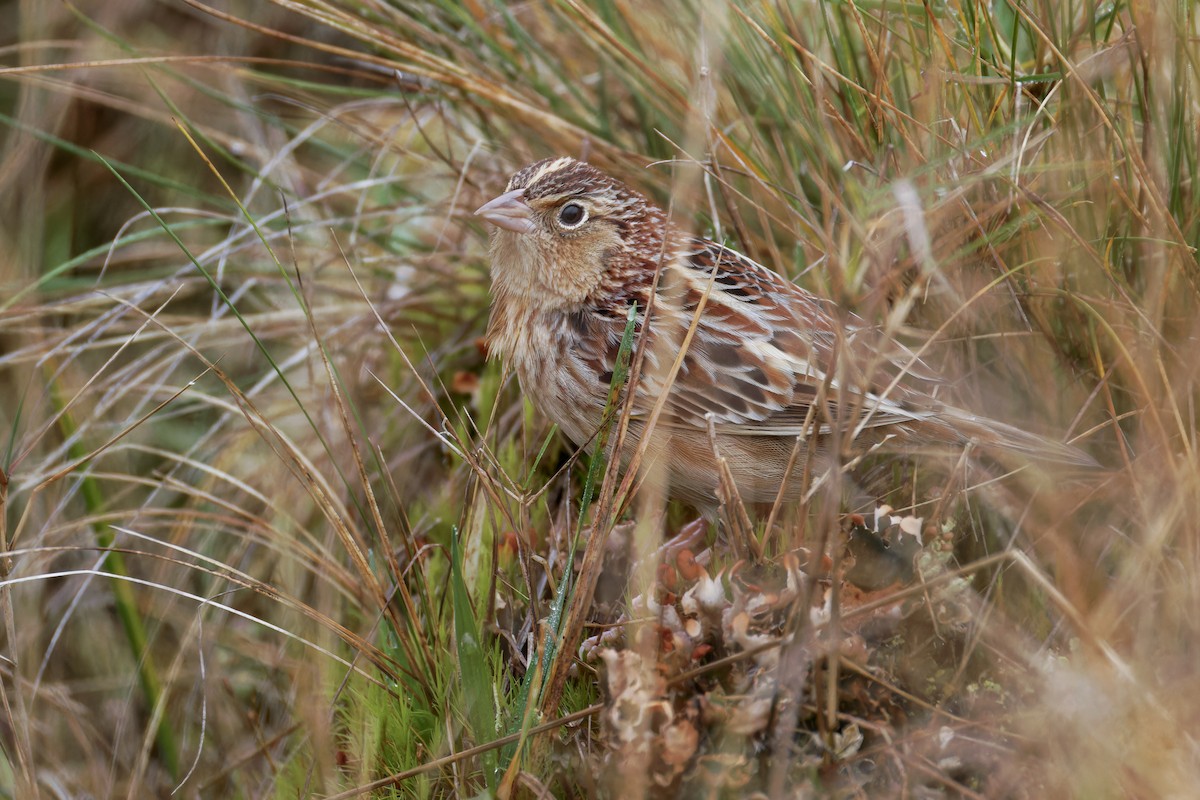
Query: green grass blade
{"points": [[472, 660]]}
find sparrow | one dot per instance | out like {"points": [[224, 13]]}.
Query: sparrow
{"points": [[755, 370]]}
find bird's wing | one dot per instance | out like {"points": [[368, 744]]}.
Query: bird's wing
{"points": [[763, 353]]}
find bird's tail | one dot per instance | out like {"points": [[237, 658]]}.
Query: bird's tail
{"points": [[999, 437]]}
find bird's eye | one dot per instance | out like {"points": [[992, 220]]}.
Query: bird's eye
{"points": [[572, 215]]}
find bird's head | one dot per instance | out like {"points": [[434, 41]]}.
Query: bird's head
{"points": [[564, 229]]}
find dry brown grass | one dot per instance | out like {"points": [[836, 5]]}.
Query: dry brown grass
{"points": [[254, 441]]}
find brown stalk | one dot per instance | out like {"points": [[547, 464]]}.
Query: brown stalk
{"points": [[605, 517]]}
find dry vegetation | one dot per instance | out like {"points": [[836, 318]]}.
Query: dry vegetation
{"points": [[274, 526]]}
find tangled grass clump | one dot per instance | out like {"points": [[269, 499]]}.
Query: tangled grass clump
{"points": [[274, 524]]}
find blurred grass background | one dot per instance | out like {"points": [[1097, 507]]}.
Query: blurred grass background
{"points": [[275, 527]]}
